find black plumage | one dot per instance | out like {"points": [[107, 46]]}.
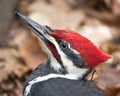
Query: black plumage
{"points": [[66, 87]]}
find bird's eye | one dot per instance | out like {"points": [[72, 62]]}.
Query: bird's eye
{"points": [[63, 45]]}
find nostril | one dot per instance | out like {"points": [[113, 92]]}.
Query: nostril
{"points": [[49, 30]]}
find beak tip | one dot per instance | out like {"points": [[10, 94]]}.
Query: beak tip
{"points": [[16, 13], [19, 15]]}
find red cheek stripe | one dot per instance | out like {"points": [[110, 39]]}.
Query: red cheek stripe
{"points": [[53, 50]]}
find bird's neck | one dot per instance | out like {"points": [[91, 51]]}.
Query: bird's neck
{"points": [[68, 70]]}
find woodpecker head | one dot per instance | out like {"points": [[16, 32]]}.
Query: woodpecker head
{"points": [[67, 49]]}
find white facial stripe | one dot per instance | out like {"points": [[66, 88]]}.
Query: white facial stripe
{"points": [[55, 64], [71, 68], [69, 46]]}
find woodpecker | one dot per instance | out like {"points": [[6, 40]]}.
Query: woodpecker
{"points": [[71, 57]]}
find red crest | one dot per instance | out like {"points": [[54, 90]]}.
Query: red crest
{"points": [[88, 51]]}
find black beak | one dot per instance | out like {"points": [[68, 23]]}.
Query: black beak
{"points": [[40, 30]]}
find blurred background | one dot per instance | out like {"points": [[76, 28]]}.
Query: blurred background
{"points": [[20, 51]]}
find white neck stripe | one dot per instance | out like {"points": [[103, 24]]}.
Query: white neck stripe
{"points": [[45, 78]]}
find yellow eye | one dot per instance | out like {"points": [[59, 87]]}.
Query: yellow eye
{"points": [[64, 45]]}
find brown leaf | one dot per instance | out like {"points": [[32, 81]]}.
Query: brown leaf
{"points": [[32, 52], [112, 91], [109, 77], [9, 64]]}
